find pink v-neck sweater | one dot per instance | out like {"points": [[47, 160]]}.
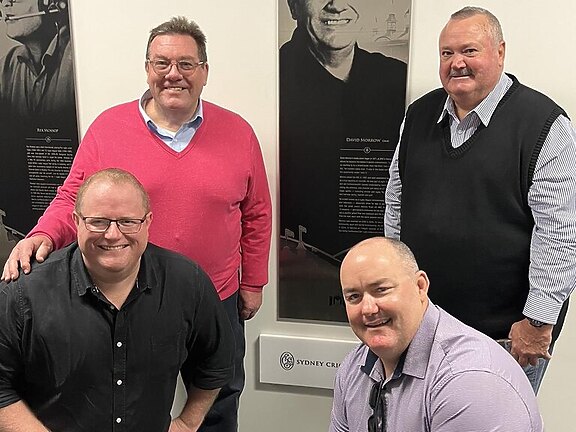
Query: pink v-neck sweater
{"points": [[210, 202]]}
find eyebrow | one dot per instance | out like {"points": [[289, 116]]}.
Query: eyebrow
{"points": [[377, 283]]}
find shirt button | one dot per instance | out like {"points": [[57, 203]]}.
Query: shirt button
{"points": [[118, 420], [118, 344], [119, 382]]}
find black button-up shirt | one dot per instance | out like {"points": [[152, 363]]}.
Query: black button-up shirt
{"points": [[83, 365]]}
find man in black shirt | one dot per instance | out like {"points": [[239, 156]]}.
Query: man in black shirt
{"points": [[93, 339]]}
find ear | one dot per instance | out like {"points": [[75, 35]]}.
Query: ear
{"points": [[423, 283], [76, 219], [502, 52], [205, 73]]}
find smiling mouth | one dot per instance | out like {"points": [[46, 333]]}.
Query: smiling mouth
{"points": [[112, 248], [377, 324], [336, 21]]}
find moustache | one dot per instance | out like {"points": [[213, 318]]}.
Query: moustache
{"points": [[460, 73]]}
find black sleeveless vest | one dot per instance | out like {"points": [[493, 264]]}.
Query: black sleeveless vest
{"points": [[464, 211]]}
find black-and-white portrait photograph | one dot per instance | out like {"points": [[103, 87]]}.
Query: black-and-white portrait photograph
{"points": [[342, 80], [38, 119]]}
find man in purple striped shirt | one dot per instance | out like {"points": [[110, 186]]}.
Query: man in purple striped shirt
{"points": [[483, 190], [419, 368]]}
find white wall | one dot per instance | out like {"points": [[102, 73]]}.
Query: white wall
{"points": [[109, 39]]}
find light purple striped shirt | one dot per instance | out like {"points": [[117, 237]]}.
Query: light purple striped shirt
{"points": [[452, 379]]}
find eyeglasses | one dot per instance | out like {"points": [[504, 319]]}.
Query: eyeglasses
{"points": [[101, 225], [163, 67], [377, 401]]}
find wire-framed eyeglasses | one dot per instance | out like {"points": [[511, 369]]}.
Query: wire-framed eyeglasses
{"points": [[163, 67], [377, 401], [101, 224]]}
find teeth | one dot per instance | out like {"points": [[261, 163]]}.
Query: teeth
{"points": [[337, 21], [378, 323], [112, 247]]}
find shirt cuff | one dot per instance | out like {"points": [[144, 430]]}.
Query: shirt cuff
{"points": [[543, 309], [251, 288]]}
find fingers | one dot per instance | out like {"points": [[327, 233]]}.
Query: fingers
{"points": [[6, 273], [11, 266], [43, 251], [40, 246], [246, 315], [249, 303], [525, 359]]}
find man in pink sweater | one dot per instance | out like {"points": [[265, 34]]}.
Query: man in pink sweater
{"points": [[203, 169]]}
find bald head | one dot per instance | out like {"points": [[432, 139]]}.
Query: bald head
{"points": [[384, 248], [385, 296], [114, 176]]}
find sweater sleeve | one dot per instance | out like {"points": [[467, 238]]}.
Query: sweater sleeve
{"points": [[256, 211], [57, 222]]}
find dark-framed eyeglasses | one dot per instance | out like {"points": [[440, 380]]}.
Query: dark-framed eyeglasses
{"points": [[377, 401], [125, 225], [163, 67]]}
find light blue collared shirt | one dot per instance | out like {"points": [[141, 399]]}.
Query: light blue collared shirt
{"points": [[461, 130], [180, 139]]}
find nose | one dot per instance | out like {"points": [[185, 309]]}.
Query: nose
{"points": [[369, 306], [113, 231], [174, 72], [458, 61], [337, 5]]}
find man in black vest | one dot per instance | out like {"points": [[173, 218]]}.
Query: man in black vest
{"points": [[483, 190]]}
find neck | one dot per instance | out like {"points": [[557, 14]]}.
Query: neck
{"points": [[171, 120], [115, 289], [337, 62], [36, 48], [389, 367]]}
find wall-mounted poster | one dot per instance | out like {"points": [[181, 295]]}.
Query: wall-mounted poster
{"points": [[38, 122], [342, 74]]}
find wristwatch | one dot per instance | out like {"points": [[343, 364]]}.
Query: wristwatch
{"points": [[535, 323]]}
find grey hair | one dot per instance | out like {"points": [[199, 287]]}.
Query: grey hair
{"points": [[495, 28], [180, 25]]}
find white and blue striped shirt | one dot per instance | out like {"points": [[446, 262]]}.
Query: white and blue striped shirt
{"points": [[551, 197]]}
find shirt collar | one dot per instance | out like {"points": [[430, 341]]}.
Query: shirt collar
{"points": [[486, 108], [413, 361], [57, 41], [193, 122], [81, 278]]}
